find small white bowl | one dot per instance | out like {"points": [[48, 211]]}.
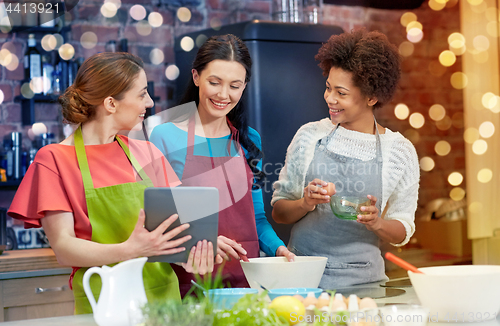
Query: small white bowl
{"points": [[404, 315]]}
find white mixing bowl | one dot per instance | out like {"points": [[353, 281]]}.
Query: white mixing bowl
{"points": [[277, 272], [461, 293]]}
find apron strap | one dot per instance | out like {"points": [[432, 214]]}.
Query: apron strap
{"points": [[134, 162], [82, 159], [84, 164]]}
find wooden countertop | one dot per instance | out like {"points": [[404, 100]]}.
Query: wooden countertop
{"points": [[28, 259]]}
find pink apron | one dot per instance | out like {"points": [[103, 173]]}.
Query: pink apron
{"points": [[233, 178]]}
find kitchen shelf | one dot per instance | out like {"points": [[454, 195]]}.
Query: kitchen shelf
{"points": [[28, 106], [39, 29]]}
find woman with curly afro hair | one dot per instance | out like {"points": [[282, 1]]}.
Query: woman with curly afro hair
{"points": [[375, 169]]}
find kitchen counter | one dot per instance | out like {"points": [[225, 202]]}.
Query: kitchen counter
{"points": [[409, 297], [28, 259]]}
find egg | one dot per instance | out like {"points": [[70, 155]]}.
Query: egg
{"points": [[299, 297], [338, 305], [330, 189], [367, 303], [323, 300], [310, 299]]}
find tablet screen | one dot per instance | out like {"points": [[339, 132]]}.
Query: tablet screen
{"points": [[198, 206]]}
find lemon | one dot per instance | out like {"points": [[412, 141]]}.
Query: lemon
{"points": [[289, 308]]}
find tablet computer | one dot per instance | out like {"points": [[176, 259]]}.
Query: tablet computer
{"points": [[198, 206]]}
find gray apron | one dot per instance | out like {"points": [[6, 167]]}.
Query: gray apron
{"points": [[353, 251]]}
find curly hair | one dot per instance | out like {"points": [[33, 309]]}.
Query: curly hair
{"points": [[101, 75], [374, 62]]}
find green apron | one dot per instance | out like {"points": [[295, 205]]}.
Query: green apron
{"points": [[113, 212]]}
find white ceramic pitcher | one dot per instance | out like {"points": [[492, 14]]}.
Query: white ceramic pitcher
{"points": [[122, 289]]}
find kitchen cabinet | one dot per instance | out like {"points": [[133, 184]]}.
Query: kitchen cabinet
{"points": [[33, 285], [36, 297]]}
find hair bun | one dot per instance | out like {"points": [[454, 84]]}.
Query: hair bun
{"points": [[74, 108]]}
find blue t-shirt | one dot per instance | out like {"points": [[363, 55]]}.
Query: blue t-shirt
{"points": [[172, 142]]}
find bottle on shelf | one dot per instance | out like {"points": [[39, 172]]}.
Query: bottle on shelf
{"points": [[110, 46], [56, 80], [33, 65], [47, 70]]}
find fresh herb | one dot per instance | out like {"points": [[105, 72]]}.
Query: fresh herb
{"points": [[197, 309]]}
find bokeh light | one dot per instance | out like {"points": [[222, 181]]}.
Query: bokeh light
{"points": [[39, 128], [455, 178], [406, 48], [479, 147], [59, 39], [489, 100], [437, 112], [427, 163], [471, 135], [26, 91], [436, 69], [492, 28], [5, 57], [155, 19], [172, 72], [447, 58], [444, 124], [67, 51], [401, 111], [143, 28], [417, 120], [486, 129], [5, 24], [436, 5], [215, 23], [457, 194], [36, 85], [481, 43], [407, 18], [456, 40], [459, 80], [187, 43], [200, 39], [484, 175], [442, 148], [184, 14], [156, 56], [117, 3], [49, 42], [88, 40], [479, 8], [137, 12], [414, 24], [475, 207], [109, 9], [415, 35], [412, 136], [13, 62]]}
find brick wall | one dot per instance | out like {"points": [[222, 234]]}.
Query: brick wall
{"points": [[418, 90]]}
